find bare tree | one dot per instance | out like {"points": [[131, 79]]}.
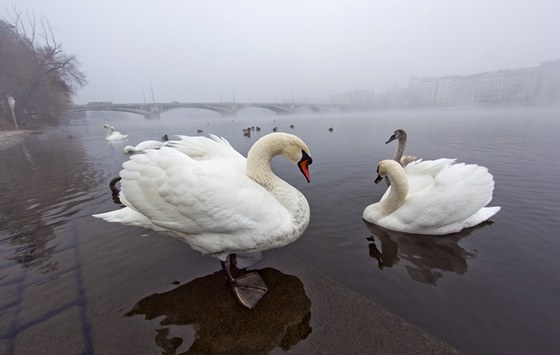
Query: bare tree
{"points": [[35, 70]]}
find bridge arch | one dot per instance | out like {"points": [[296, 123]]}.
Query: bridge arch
{"points": [[222, 110], [277, 109], [153, 110], [146, 114]]}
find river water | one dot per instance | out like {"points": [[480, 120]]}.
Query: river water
{"points": [[491, 289]]}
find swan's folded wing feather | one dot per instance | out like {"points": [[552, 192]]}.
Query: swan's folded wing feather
{"points": [[421, 174], [458, 192], [198, 196], [428, 167], [200, 148]]}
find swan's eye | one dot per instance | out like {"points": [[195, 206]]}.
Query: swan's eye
{"points": [[305, 156]]}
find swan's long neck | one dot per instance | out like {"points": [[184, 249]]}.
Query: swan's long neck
{"points": [[400, 150], [258, 161], [258, 169], [398, 193]]}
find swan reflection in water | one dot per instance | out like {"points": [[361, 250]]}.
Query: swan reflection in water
{"points": [[426, 257], [281, 319]]}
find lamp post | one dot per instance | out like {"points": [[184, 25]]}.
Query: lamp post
{"points": [[12, 104]]}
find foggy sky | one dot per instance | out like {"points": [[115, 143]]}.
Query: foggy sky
{"points": [[204, 50]]}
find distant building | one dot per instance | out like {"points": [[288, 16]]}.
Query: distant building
{"points": [[549, 82], [535, 85], [392, 98], [357, 99]]}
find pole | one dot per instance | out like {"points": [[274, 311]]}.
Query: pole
{"points": [[12, 104]]}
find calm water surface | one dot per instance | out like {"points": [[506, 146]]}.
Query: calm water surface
{"points": [[491, 289]]}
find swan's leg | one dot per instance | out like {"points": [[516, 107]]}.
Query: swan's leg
{"points": [[225, 267], [248, 289]]}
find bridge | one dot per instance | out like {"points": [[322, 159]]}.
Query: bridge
{"points": [[154, 110]]}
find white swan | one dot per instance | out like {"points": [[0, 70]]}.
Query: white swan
{"points": [[112, 134], [404, 160], [205, 193], [143, 146], [432, 197]]}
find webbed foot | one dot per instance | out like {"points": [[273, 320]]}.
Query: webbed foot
{"points": [[248, 289]]}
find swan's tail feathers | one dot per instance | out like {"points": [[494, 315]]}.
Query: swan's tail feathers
{"points": [[482, 215], [113, 216], [126, 216]]}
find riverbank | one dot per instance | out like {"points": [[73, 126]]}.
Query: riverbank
{"points": [[10, 138]]}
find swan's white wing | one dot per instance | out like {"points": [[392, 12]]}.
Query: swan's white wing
{"points": [[427, 167], [421, 174], [457, 193], [209, 196], [201, 148]]}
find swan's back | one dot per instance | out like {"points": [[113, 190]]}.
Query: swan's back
{"points": [[143, 146], [202, 148]]}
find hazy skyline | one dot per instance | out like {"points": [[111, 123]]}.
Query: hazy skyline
{"points": [[269, 50]]}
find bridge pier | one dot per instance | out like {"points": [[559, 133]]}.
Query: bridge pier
{"points": [[152, 116], [228, 113]]}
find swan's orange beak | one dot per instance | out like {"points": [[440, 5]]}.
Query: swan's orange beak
{"points": [[304, 165]]}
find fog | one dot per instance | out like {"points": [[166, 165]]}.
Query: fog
{"points": [[194, 51]]}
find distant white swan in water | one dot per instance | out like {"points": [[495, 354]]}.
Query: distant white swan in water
{"points": [[205, 193], [112, 134], [432, 197], [404, 160]]}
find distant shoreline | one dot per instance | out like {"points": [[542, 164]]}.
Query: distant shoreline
{"points": [[10, 138]]}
